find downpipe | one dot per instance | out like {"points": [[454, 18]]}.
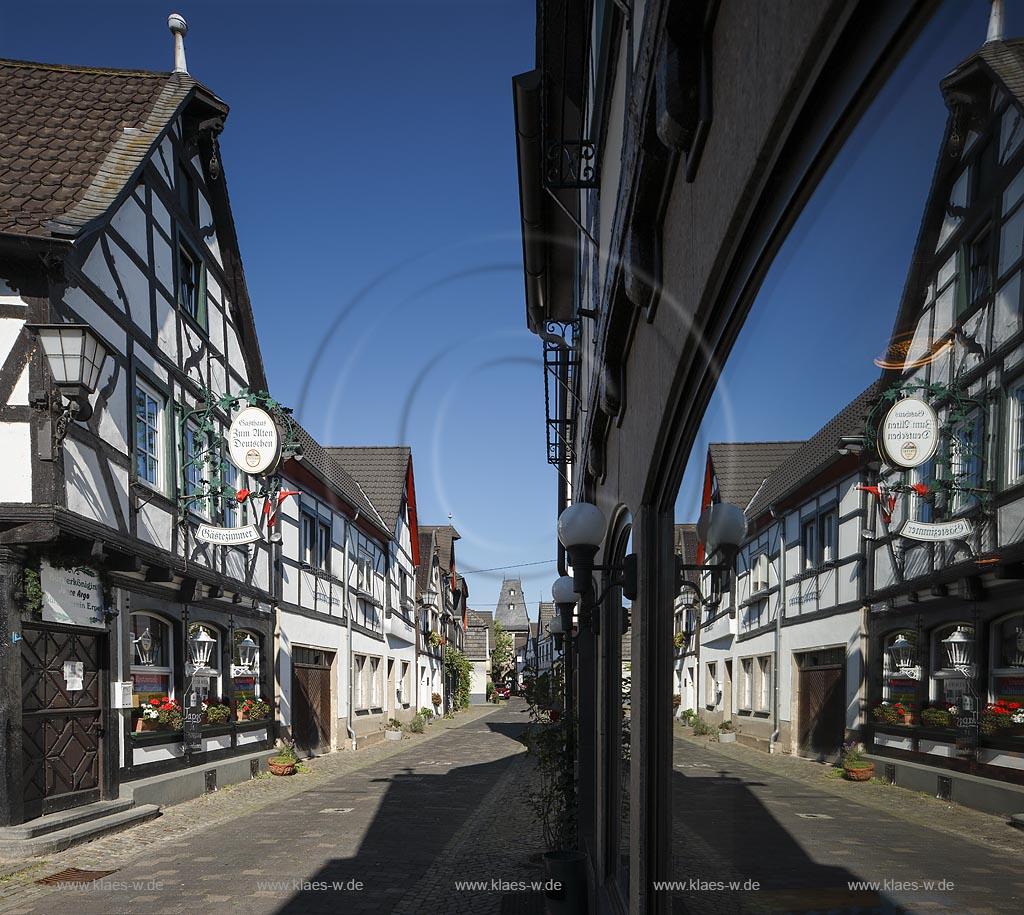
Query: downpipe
{"points": [[348, 612]]}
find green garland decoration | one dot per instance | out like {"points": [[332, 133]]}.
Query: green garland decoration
{"points": [[960, 408]]}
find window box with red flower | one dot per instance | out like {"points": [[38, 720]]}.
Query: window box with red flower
{"points": [[253, 710], [1002, 719], [160, 715], [900, 713]]}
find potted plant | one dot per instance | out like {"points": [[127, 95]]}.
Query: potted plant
{"points": [[901, 713], [435, 640], [679, 640], [436, 699], [855, 766], [554, 799], [216, 712], [393, 730], [726, 732], [677, 701], [254, 709], [937, 717], [427, 714], [161, 715], [285, 761]]}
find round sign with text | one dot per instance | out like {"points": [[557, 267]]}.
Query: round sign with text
{"points": [[909, 434], [254, 443]]}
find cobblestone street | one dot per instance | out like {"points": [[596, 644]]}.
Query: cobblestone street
{"points": [[405, 821], [732, 802]]}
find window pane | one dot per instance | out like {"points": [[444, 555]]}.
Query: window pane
{"points": [[1011, 242]]}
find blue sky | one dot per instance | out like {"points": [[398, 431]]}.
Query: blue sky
{"points": [[370, 158], [370, 146]]}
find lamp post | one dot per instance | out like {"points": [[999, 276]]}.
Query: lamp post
{"points": [[563, 592], [75, 358]]}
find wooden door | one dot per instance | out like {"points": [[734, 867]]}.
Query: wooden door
{"points": [[822, 711], [62, 718], [311, 707]]}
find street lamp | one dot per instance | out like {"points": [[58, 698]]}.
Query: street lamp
{"points": [[429, 597], [75, 358], [960, 652], [201, 647], [247, 652], [581, 529], [721, 529], [144, 647], [904, 657]]}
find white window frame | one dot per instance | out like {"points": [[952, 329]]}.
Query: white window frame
{"points": [[759, 573], [159, 430], [763, 693], [193, 474], [973, 426], [828, 523], [358, 683], [1015, 433], [809, 551], [746, 684], [711, 678], [167, 669]]}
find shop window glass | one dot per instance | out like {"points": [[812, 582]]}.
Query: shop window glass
{"points": [[947, 685], [152, 658], [246, 665], [1008, 659]]}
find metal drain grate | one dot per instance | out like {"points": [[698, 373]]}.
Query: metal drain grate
{"points": [[74, 875], [254, 768], [814, 816], [211, 780], [890, 773], [945, 788]]}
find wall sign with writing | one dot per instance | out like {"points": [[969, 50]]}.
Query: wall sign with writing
{"points": [[909, 434], [254, 443], [931, 532], [228, 536], [71, 596]]}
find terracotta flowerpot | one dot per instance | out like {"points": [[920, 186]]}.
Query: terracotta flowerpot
{"points": [[907, 718], [147, 724], [860, 774], [243, 715], [281, 768]]}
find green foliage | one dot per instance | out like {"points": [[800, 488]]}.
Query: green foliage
{"points": [[418, 724], [503, 657], [702, 729], [834, 772], [32, 589], [490, 692], [393, 725], [554, 801], [426, 713], [217, 713], [286, 752], [853, 757], [458, 668]]}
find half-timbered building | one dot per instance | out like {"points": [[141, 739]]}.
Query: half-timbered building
{"points": [[947, 629], [385, 474], [114, 215]]}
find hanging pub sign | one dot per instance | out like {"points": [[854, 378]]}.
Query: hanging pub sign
{"points": [[908, 436], [254, 442], [71, 596], [932, 532], [228, 536]]}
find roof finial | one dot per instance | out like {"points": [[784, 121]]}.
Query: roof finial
{"points": [[995, 22], [179, 28], [449, 519]]}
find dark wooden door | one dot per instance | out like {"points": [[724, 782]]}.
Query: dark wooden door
{"points": [[62, 725], [822, 711], [311, 709]]}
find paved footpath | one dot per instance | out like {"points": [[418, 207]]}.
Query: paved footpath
{"points": [[386, 829], [743, 815]]}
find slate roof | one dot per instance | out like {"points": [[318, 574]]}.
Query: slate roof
{"points": [[315, 456], [381, 473], [687, 546], [72, 137], [511, 609], [426, 544], [741, 467], [478, 624], [1004, 58], [819, 451], [445, 537]]}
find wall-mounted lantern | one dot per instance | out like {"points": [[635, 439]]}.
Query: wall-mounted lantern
{"points": [[960, 651], [721, 529], [144, 648], [904, 658], [201, 648], [75, 359], [247, 653]]}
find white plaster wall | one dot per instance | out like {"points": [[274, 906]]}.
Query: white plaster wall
{"points": [[84, 486], [15, 462], [154, 525]]}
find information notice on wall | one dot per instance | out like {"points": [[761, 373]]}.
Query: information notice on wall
{"points": [[72, 596]]}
